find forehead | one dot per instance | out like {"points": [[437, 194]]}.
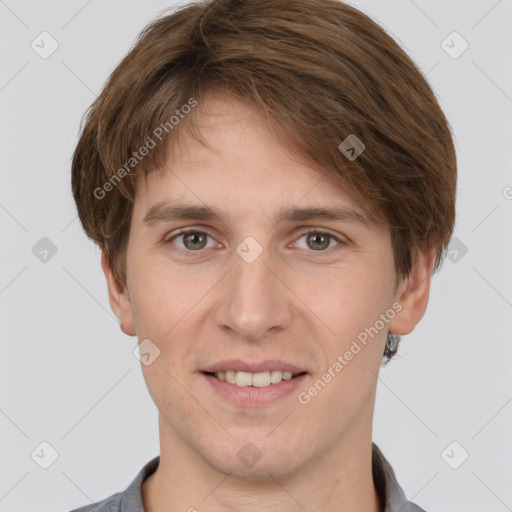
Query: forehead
{"points": [[243, 167]]}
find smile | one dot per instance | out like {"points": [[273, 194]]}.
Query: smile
{"points": [[247, 383], [258, 380]]}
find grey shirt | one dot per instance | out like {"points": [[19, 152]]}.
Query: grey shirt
{"points": [[390, 493]]}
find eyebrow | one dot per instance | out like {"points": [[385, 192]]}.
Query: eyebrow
{"points": [[162, 213]]}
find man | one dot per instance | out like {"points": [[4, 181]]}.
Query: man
{"points": [[272, 185]]}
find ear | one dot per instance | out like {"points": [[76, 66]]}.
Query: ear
{"points": [[118, 298], [412, 293]]}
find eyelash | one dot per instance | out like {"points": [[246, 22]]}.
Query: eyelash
{"points": [[191, 254]]}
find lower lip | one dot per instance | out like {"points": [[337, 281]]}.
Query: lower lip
{"points": [[250, 396]]}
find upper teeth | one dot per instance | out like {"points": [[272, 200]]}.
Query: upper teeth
{"points": [[258, 380]]}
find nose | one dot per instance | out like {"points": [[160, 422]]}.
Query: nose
{"points": [[253, 299]]}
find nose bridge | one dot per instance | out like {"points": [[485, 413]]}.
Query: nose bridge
{"points": [[253, 300]]}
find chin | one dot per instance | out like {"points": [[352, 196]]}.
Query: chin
{"points": [[256, 461]]}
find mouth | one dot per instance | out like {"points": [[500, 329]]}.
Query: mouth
{"points": [[250, 384], [257, 380]]}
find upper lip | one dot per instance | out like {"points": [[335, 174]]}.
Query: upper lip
{"points": [[253, 367]]}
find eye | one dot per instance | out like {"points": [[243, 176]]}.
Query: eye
{"points": [[319, 241], [192, 240]]}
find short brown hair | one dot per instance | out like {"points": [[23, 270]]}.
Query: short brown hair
{"points": [[321, 71]]}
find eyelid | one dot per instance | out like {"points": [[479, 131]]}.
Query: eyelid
{"points": [[322, 231], [340, 241], [184, 231]]}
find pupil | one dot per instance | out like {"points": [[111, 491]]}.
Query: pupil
{"points": [[317, 236], [194, 237]]}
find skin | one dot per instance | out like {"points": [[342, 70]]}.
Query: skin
{"points": [[299, 301]]}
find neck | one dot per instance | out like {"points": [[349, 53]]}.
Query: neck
{"points": [[338, 479]]}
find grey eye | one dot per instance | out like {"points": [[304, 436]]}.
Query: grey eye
{"points": [[317, 241], [194, 241]]}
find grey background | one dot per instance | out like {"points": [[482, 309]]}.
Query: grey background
{"points": [[68, 375]]}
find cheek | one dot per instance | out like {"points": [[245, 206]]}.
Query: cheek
{"points": [[165, 305], [160, 297], [353, 311], [351, 300]]}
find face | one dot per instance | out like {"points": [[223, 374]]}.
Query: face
{"points": [[259, 286]]}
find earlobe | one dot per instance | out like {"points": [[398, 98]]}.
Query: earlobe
{"points": [[118, 298], [412, 294]]}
